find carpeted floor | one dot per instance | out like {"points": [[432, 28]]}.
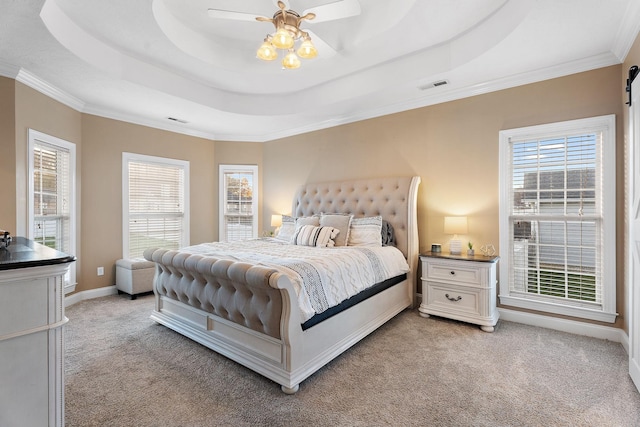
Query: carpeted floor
{"points": [[122, 369]]}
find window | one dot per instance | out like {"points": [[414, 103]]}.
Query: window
{"points": [[155, 203], [557, 218], [51, 210], [238, 202]]}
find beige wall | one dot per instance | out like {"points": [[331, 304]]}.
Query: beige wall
{"points": [[452, 146], [8, 150], [104, 141]]}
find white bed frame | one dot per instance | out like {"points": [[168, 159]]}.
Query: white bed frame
{"points": [[291, 355]]}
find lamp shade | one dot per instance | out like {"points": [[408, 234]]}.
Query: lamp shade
{"points": [[283, 39], [267, 52], [307, 50], [455, 225], [276, 220], [291, 61]]}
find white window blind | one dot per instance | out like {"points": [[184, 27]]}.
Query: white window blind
{"points": [[238, 202], [156, 213], [556, 224], [51, 196]]}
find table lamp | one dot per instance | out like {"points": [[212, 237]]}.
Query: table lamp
{"points": [[276, 221], [455, 225]]}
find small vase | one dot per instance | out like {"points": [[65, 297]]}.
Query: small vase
{"points": [[471, 252]]}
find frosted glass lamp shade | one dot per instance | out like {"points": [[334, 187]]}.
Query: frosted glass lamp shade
{"points": [[307, 50], [267, 52], [283, 39], [291, 61]]}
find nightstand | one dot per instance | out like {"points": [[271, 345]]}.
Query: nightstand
{"points": [[460, 287]]}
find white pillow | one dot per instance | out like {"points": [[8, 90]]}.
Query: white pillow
{"points": [[287, 229], [290, 224], [366, 231], [339, 221], [310, 235]]}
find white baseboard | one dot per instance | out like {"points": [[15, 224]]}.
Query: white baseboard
{"points": [[565, 325], [90, 294]]}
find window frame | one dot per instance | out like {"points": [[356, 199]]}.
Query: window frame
{"points": [[224, 169], [34, 136], [162, 161], [605, 126]]}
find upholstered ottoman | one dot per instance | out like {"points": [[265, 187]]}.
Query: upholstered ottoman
{"points": [[134, 276]]}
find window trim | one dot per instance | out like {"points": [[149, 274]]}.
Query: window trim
{"points": [[134, 157], [606, 126], [226, 168], [33, 136]]}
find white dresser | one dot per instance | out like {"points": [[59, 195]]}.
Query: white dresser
{"points": [[32, 334], [460, 287]]}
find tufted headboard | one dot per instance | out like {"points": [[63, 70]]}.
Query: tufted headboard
{"points": [[392, 198]]}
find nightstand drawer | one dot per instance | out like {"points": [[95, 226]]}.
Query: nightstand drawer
{"points": [[454, 272], [449, 299]]}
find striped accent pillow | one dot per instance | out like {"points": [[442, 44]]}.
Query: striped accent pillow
{"points": [[310, 235]]}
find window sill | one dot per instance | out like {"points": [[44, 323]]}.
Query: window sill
{"points": [[551, 307]]}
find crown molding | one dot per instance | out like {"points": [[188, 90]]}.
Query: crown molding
{"points": [[47, 89], [112, 114], [34, 82], [627, 32], [433, 98], [452, 94]]}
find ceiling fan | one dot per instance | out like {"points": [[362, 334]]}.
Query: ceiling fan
{"points": [[290, 20]]}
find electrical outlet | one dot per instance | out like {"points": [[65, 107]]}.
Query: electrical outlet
{"points": [[100, 271]]}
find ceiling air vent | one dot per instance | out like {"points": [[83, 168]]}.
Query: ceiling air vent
{"points": [[177, 120], [433, 84]]}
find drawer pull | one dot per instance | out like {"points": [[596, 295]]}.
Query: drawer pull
{"points": [[453, 299], [453, 273]]}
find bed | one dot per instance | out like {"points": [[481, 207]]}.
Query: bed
{"points": [[249, 311]]}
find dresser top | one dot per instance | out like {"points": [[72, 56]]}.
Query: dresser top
{"points": [[461, 257], [23, 253]]}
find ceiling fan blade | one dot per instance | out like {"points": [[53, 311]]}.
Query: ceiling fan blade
{"points": [[324, 49], [276, 3], [228, 14], [336, 10]]}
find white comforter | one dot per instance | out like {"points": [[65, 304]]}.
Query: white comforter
{"points": [[323, 277]]}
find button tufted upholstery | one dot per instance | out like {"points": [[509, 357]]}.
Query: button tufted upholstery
{"points": [[235, 291], [371, 197]]}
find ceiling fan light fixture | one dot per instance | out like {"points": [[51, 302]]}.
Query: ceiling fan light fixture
{"points": [[267, 52], [282, 39], [307, 50], [287, 34], [291, 61]]}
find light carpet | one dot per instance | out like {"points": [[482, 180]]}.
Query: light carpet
{"points": [[123, 369]]}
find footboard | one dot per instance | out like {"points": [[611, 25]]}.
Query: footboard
{"points": [[234, 291], [242, 311]]}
